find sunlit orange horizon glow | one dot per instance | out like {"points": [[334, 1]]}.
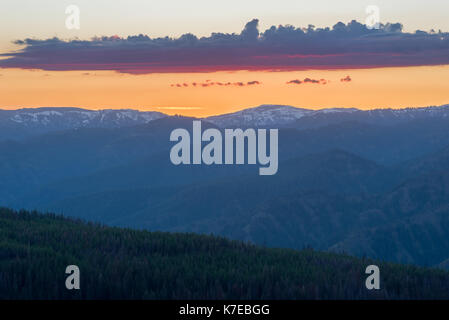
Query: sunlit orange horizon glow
{"points": [[369, 88]]}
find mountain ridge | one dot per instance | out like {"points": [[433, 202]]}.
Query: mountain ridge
{"points": [[24, 122]]}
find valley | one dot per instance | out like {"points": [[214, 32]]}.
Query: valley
{"points": [[356, 182]]}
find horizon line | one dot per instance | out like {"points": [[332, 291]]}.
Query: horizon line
{"points": [[155, 109]]}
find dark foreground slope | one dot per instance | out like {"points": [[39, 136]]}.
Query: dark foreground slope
{"points": [[128, 264]]}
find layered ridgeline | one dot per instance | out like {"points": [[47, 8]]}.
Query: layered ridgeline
{"points": [[128, 264], [22, 123], [371, 183]]}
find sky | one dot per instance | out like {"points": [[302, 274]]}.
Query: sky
{"points": [[235, 56]]}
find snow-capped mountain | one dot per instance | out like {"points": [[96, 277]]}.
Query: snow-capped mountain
{"points": [[382, 117], [288, 116], [264, 115], [16, 124], [22, 122], [77, 118]]}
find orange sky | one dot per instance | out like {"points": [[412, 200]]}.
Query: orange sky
{"points": [[369, 88]]}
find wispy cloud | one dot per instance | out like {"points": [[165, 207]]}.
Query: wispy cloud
{"points": [[308, 80], [210, 83], [344, 46], [178, 108]]}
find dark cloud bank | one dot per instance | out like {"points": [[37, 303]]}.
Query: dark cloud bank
{"points": [[343, 46]]}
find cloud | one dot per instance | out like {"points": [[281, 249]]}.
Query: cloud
{"points": [[288, 48], [251, 83], [308, 80], [179, 108], [210, 83], [346, 79]]}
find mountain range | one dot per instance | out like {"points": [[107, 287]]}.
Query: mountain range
{"points": [[28, 121], [20, 123], [370, 183]]}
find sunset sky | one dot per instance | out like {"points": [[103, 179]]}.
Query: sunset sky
{"points": [[229, 60]]}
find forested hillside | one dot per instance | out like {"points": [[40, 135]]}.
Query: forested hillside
{"points": [[129, 264]]}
